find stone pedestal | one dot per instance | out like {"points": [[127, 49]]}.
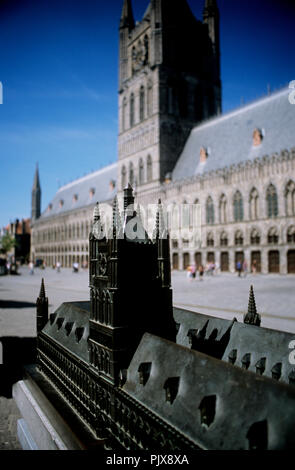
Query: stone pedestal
{"points": [[43, 426]]}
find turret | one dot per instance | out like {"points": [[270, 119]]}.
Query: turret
{"points": [[42, 308], [126, 25], [211, 20], [36, 196], [161, 238]]}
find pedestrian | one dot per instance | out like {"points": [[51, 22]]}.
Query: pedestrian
{"points": [[31, 267], [58, 266], [8, 266], [193, 271], [189, 272], [201, 272], [245, 268], [75, 267], [239, 268], [254, 269]]}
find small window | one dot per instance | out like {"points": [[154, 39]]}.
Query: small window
{"points": [[59, 322], [61, 202], [69, 327], [171, 387], [208, 410], [144, 371], [91, 192], [258, 436], [75, 198], [257, 137], [203, 155], [79, 333]]}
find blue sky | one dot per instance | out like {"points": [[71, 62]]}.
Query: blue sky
{"points": [[58, 67]]}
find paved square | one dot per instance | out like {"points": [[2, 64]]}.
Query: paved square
{"points": [[222, 295]]}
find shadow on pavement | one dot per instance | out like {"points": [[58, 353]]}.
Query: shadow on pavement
{"points": [[16, 352], [16, 304]]}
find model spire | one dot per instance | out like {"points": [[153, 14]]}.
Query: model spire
{"points": [[42, 308], [252, 317], [96, 215], [160, 229], [42, 294]]}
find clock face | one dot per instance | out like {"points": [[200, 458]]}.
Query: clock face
{"points": [[97, 230]]}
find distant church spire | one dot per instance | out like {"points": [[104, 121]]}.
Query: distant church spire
{"points": [[36, 196], [210, 6], [127, 19]]}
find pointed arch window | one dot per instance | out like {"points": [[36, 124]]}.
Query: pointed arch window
{"points": [[124, 114], [146, 49], [273, 236], [123, 177], [253, 204], [210, 239], [290, 198], [239, 238], [272, 201], [223, 239], [255, 237], [141, 103], [150, 99], [222, 209], [131, 174], [132, 110], [141, 172], [175, 216], [185, 215], [149, 168], [209, 211], [238, 207], [291, 234]]}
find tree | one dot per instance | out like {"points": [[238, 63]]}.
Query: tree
{"points": [[7, 242]]}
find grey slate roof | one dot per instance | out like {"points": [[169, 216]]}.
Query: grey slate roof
{"points": [[228, 138], [69, 327], [257, 341], [99, 180], [200, 376]]}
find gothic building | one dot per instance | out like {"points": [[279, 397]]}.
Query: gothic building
{"points": [[175, 145]]}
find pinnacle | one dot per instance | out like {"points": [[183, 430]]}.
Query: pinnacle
{"points": [[252, 317], [252, 305], [96, 214], [42, 290]]}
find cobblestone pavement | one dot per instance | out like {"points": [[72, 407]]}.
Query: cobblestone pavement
{"points": [[223, 295]]}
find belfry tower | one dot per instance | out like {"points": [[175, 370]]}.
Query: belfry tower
{"points": [[130, 288], [36, 196], [169, 80]]}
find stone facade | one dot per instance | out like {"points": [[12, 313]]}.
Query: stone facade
{"points": [[226, 239], [239, 166]]}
